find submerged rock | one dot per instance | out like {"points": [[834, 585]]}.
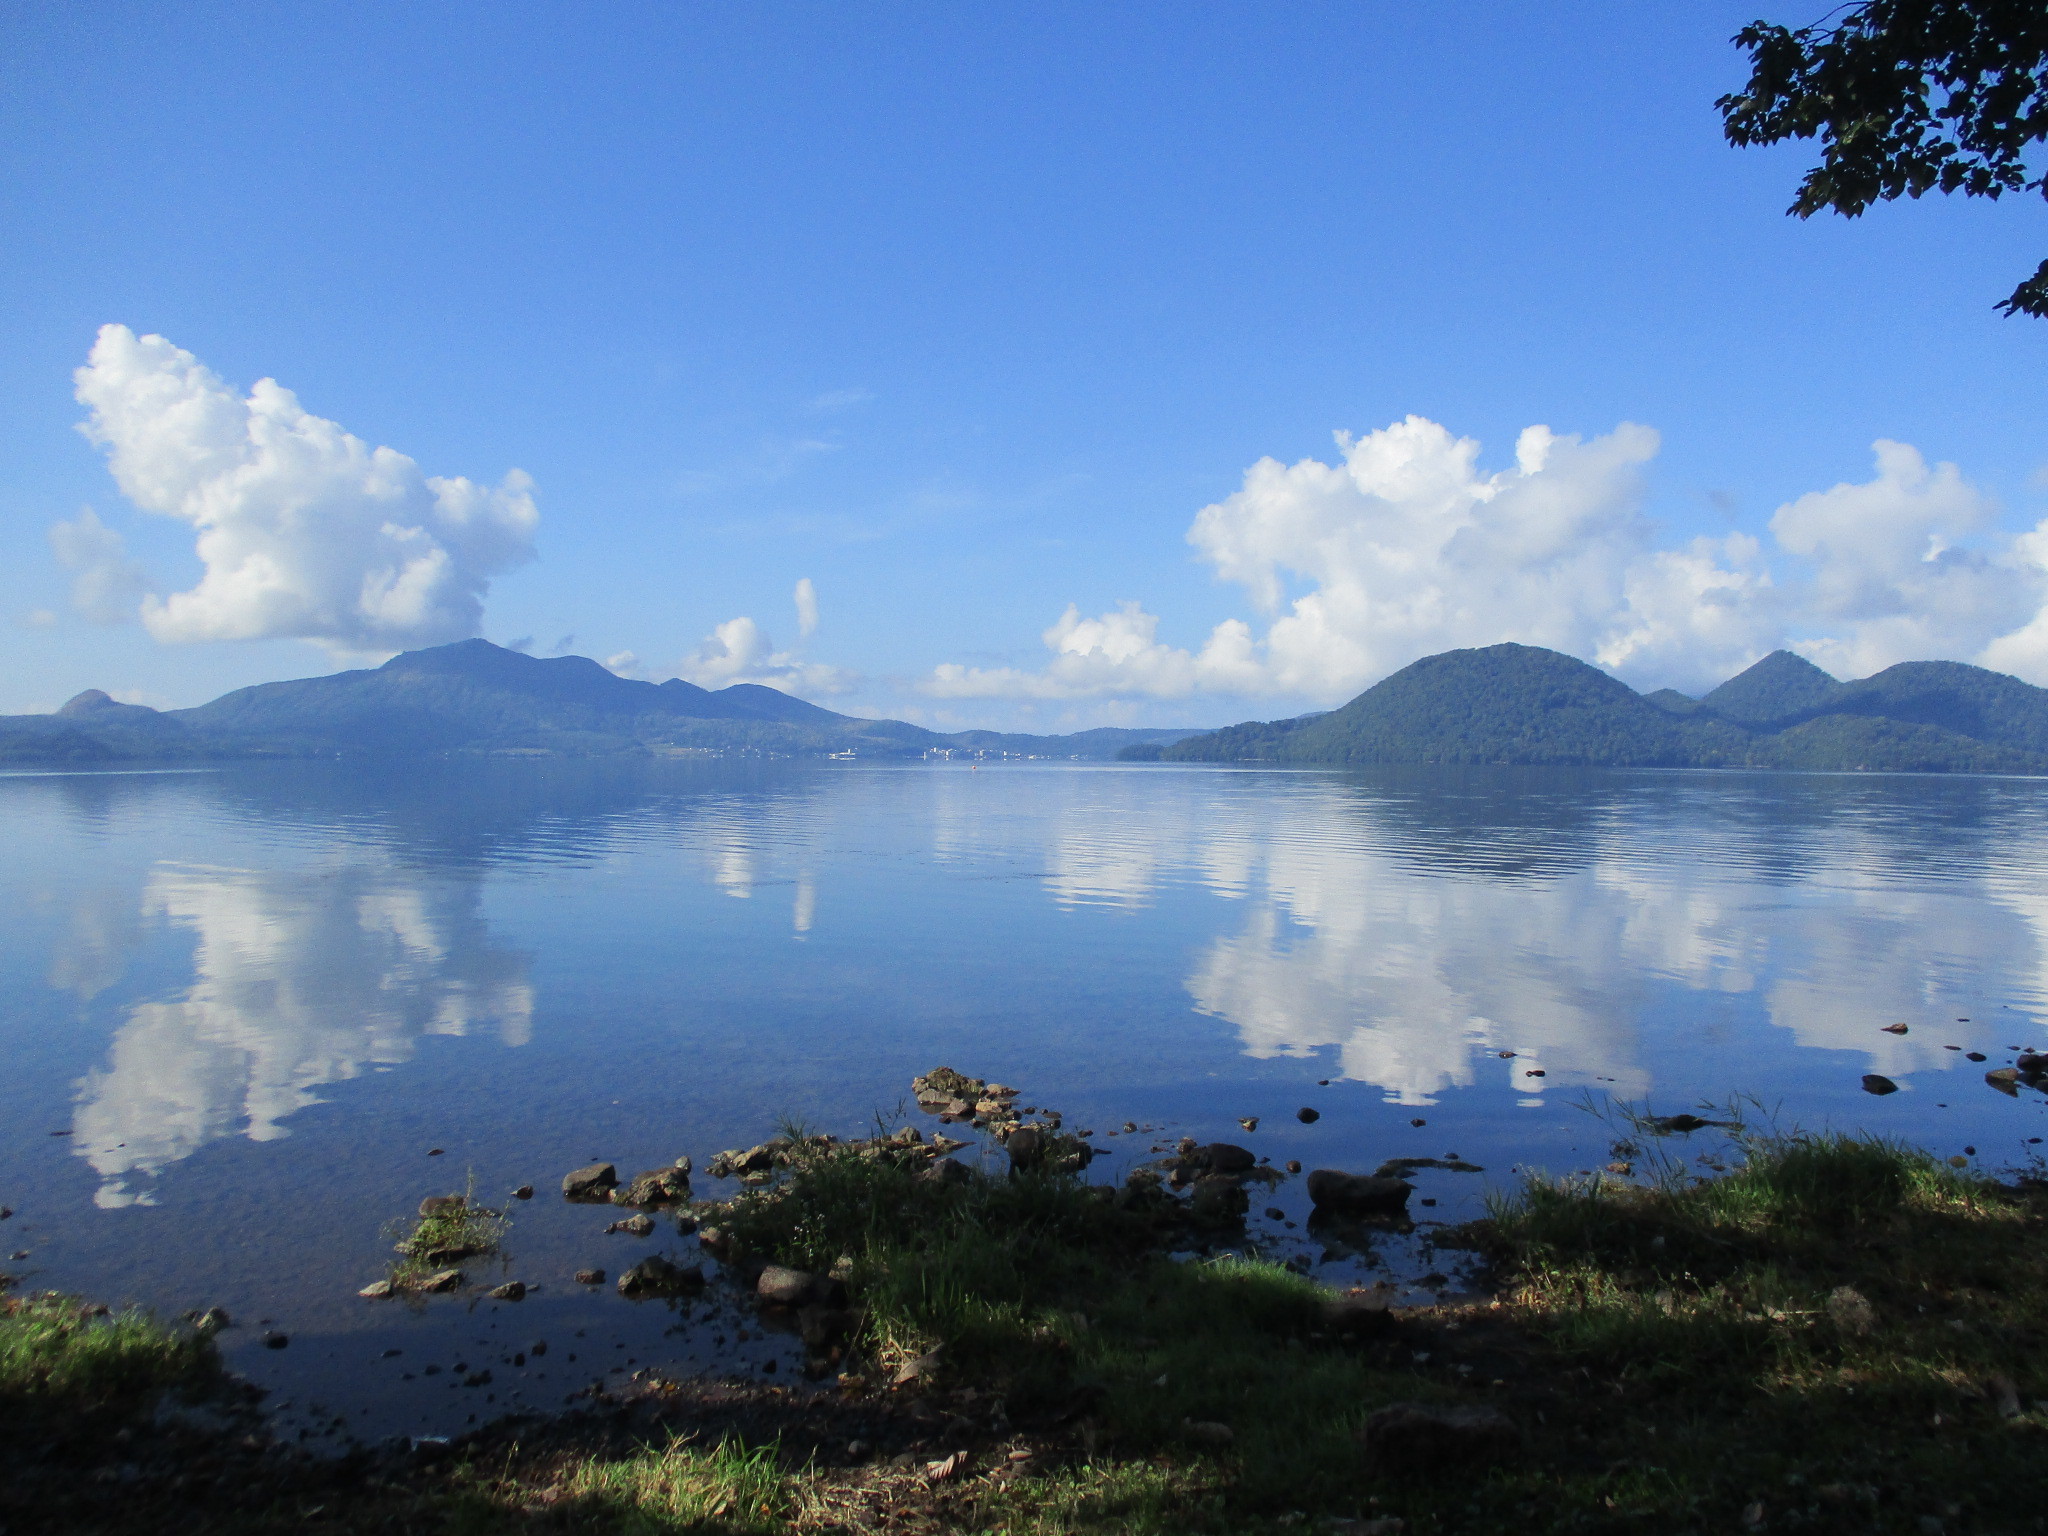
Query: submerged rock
{"points": [[1222, 1157], [595, 1182], [1358, 1194], [511, 1290], [1401, 1167], [1218, 1197], [590, 1277], [656, 1276]]}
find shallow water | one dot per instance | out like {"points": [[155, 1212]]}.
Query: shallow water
{"points": [[244, 1006]]}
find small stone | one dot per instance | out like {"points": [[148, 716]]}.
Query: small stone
{"points": [[1895, 1029], [441, 1205], [1293, 1165], [523, 1192], [633, 1226], [440, 1280], [1308, 1116], [1358, 1314], [590, 1277], [1418, 1122], [1249, 1122], [377, 1290], [1849, 1311], [1274, 1213], [1877, 1083], [511, 1290], [1978, 1056], [276, 1340], [948, 1171], [436, 1151], [923, 1368], [783, 1287], [212, 1320], [594, 1183]]}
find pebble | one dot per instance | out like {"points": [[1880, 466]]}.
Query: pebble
{"points": [[1308, 1116]]}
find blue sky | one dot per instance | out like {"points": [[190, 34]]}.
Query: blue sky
{"points": [[965, 314]]}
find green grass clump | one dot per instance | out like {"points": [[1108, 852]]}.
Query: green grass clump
{"points": [[446, 1238], [61, 1358]]}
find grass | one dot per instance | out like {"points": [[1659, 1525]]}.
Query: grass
{"points": [[1836, 1334], [446, 1237], [62, 1360]]}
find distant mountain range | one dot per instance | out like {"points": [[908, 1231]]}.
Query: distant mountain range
{"points": [[1524, 704], [474, 697]]}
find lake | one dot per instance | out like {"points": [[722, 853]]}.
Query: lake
{"points": [[255, 1014]]}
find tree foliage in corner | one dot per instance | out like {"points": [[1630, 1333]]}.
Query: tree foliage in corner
{"points": [[1907, 96]]}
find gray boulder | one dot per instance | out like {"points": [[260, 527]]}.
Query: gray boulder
{"points": [[594, 1183], [784, 1287]]}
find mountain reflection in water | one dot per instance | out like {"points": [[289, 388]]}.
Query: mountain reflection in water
{"points": [[1404, 928]]}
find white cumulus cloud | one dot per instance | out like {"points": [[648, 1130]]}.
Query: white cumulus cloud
{"points": [[106, 585], [806, 609], [741, 651], [305, 531], [1405, 547]]}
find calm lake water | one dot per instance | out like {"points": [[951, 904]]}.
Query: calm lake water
{"points": [[243, 1006]]}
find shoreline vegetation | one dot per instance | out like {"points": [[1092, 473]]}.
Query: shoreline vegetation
{"points": [[1822, 1333]]}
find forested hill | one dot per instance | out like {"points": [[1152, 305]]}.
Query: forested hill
{"points": [[1524, 704], [475, 697]]}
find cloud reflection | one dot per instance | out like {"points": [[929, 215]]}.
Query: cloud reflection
{"points": [[301, 978], [1375, 935]]}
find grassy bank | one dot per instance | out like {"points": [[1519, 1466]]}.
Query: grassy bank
{"points": [[1836, 1335]]}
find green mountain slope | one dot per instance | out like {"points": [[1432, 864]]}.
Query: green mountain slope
{"points": [[475, 697], [1780, 687], [1524, 704]]}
